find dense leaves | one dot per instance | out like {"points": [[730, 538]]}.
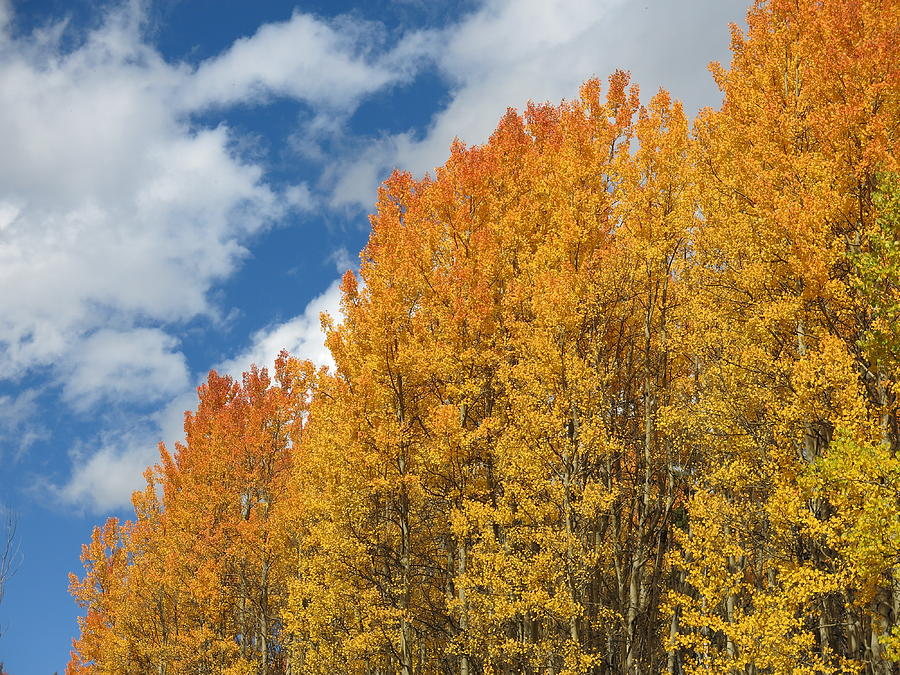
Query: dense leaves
{"points": [[610, 397]]}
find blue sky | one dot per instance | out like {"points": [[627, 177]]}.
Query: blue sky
{"points": [[182, 182]]}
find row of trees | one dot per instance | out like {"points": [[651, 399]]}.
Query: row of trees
{"points": [[612, 397]]}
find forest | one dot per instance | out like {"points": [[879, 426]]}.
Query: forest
{"points": [[616, 392]]}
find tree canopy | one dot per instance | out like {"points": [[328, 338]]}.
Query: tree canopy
{"points": [[612, 396]]}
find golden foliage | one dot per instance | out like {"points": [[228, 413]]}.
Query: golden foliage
{"points": [[610, 397]]}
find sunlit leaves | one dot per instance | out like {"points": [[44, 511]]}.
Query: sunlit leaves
{"points": [[609, 397]]}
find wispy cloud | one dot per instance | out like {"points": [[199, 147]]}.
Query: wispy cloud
{"points": [[20, 427]]}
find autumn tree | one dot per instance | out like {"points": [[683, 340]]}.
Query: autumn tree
{"points": [[610, 397], [195, 583], [787, 171]]}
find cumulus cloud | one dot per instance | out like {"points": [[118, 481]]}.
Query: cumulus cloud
{"points": [[112, 206], [115, 207], [511, 51], [302, 336], [108, 468], [139, 365], [103, 479], [303, 58]]}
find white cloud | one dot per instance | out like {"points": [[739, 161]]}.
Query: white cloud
{"points": [[343, 261], [114, 208], [14, 410], [5, 14], [104, 479], [303, 58], [108, 469], [139, 365], [302, 336], [511, 51], [299, 197], [169, 420], [8, 214]]}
